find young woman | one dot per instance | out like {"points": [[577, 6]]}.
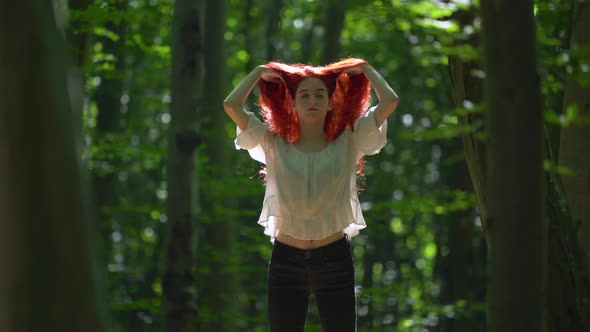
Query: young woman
{"points": [[316, 129]]}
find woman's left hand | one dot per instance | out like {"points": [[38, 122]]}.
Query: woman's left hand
{"points": [[356, 70]]}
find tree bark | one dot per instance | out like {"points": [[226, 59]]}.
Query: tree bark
{"points": [[79, 44], [46, 238], [569, 284], [460, 281], [108, 125], [517, 231], [468, 88], [179, 284], [273, 24], [246, 31], [576, 136], [334, 22], [567, 275], [307, 43], [218, 249]]}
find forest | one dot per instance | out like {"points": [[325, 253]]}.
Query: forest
{"points": [[125, 205]]}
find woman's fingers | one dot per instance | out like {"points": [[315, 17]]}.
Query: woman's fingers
{"points": [[271, 76], [352, 71]]}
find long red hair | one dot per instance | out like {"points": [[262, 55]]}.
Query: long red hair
{"points": [[348, 94]]}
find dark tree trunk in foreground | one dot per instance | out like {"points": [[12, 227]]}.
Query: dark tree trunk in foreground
{"points": [[179, 284], [47, 279], [568, 275], [517, 228]]}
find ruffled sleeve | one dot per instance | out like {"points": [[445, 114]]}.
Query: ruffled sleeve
{"points": [[368, 138], [254, 139]]}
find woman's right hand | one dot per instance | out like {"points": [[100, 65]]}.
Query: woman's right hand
{"points": [[269, 74]]}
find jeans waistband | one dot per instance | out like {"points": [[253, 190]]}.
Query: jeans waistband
{"points": [[294, 251]]}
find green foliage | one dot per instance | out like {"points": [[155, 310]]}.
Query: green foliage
{"points": [[411, 199]]}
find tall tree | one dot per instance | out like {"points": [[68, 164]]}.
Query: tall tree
{"points": [[272, 26], [467, 91], [516, 224], [460, 282], [247, 22], [334, 22], [568, 199], [78, 37], [108, 125], [575, 135], [307, 41], [567, 286], [46, 243], [217, 250], [179, 282]]}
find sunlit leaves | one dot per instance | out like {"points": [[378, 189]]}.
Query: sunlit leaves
{"points": [[397, 226], [448, 26], [571, 116], [96, 15], [431, 9], [551, 166], [101, 31]]}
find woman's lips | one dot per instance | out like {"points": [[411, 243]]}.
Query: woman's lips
{"points": [[313, 109]]}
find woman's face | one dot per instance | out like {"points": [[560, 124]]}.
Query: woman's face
{"points": [[311, 99]]}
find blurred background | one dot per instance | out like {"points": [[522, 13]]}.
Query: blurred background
{"points": [[175, 228]]}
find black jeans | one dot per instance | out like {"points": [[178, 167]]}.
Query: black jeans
{"points": [[295, 273]]}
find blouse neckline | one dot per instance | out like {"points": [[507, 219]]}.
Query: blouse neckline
{"points": [[324, 149], [310, 152]]}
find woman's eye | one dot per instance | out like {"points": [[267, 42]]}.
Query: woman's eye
{"points": [[319, 96]]}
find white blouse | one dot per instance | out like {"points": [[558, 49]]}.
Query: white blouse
{"points": [[312, 195]]}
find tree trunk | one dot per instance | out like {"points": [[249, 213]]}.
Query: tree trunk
{"points": [[79, 44], [218, 250], [180, 313], [46, 243], [369, 259], [334, 22], [246, 31], [576, 136], [273, 24], [517, 231], [460, 281], [468, 89], [567, 278], [307, 43], [569, 284], [108, 125], [78, 38]]}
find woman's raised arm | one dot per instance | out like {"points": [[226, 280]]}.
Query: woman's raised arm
{"points": [[388, 99], [234, 102]]}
